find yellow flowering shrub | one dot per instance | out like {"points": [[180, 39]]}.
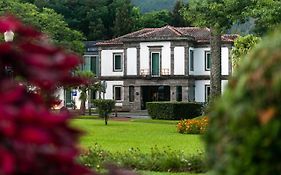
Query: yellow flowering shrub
{"points": [[193, 126]]}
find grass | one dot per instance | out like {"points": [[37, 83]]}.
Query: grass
{"points": [[144, 134], [166, 173]]}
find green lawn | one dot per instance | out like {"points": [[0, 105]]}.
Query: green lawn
{"points": [[162, 173], [142, 134]]}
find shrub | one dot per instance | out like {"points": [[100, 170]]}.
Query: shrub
{"points": [[245, 124], [104, 108], [193, 126], [174, 110], [33, 139], [157, 160]]}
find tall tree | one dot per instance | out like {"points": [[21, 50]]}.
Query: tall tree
{"points": [[156, 19], [90, 85], [218, 15], [177, 18], [123, 22], [267, 16], [46, 20]]}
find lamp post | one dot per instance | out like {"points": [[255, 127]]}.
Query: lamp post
{"points": [[9, 36]]}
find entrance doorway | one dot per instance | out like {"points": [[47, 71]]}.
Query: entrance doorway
{"points": [[154, 93]]}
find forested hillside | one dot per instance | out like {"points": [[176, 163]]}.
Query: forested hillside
{"points": [[150, 5]]}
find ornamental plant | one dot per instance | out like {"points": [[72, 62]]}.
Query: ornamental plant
{"points": [[193, 126], [245, 124], [104, 108], [33, 139]]}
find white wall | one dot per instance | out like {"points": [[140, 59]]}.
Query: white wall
{"points": [[225, 61], [179, 63], [131, 61], [165, 55], [60, 94], [199, 61], [107, 63], [109, 90], [200, 89], [224, 85]]}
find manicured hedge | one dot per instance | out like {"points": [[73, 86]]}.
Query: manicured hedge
{"points": [[174, 110]]}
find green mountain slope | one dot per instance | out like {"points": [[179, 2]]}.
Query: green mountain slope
{"points": [[150, 5]]}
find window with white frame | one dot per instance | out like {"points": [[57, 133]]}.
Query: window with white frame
{"points": [[155, 63], [117, 62], [191, 60], [117, 91], [207, 60], [207, 92]]}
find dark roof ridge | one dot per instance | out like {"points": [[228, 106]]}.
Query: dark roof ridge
{"points": [[153, 31], [175, 30]]}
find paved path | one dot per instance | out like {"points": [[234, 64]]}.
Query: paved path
{"points": [[137, 115]]}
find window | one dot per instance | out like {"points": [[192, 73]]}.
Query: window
{"points": [[131, 93], [207, 92], [179, 93], [93, 94], [117, 62], [91, 63], [117, 93], [87, 63], [207, 60], [191, 94], [68, 98], [155, 63], [191, 63], [94, 64]]}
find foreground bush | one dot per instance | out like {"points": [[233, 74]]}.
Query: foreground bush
{"points": [[33, 139], [193, 126], [174, 110], [245, 124], [157, 160]]}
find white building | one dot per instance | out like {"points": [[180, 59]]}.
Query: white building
{"points": [[159, 64]]}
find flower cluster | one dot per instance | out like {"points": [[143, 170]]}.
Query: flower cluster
{"points": [[193, 126], [33, 139]]}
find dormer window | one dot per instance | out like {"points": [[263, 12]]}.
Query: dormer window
{"points": [[117, 62]]}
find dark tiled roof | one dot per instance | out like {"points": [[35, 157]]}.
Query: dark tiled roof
{"points": [[198, 34]]}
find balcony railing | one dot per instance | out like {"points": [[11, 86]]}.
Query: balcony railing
{"points": [[147, 72]]}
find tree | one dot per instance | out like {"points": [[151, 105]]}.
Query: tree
{"points": [[104, 107], [156, 19], [245, 124], [48, 21], [86, 87], [242, 46], [267, 14], [218, 15], [177, 18], [123, 22]]}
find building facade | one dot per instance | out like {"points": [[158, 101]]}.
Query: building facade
{"points": [[70, 97], [160, 64]]}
